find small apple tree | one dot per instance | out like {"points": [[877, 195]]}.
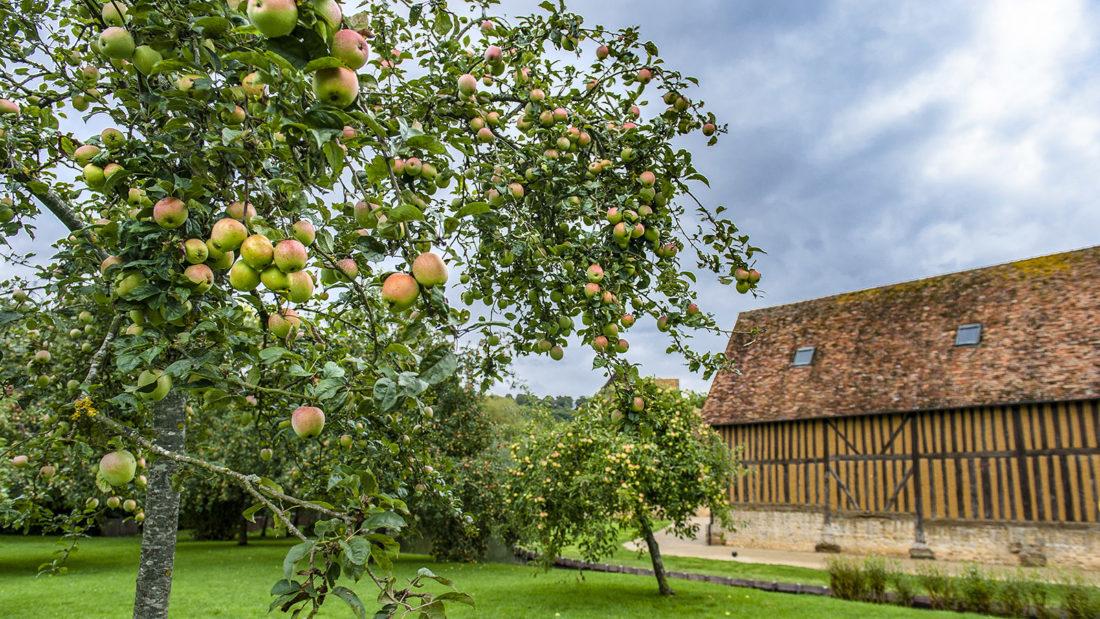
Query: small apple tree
{"points": [[264, 201], [635, 453]]}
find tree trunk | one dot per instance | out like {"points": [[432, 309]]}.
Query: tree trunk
{"points": [[162, 505], [655, 556], [242, 533]]}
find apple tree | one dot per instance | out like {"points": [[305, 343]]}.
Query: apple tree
{"points": [[635, 453], [279, 201]]}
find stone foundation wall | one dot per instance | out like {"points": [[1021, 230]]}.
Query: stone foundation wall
{"points": [[1066, 545]]}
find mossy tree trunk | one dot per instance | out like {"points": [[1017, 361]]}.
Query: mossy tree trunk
{"points": [[655, 555], [162, 506]]}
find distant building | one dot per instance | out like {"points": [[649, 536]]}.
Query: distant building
{"points": [[954, 417]]}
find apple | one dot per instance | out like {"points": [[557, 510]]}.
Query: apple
{"points": [[135, 330], [591, 290], [20, 461], [252, 85], [557, 353], [627, 320], [429, 270], [241, 211], [170, 213], [129, 505], [400, 290], [329, 11], [93, 176], [299, 286], [487, 26], [114, 12], [109, 262], [346, 441], [493, 53], [9, 107], [337, 86], [243, 277], [42, 356], [219, 260], [118, 468], [537, 94], [273, 18], [116, 42], [266, 454], [85, 153], [622, 346], [637, 404], [307, 421], [754, 276], [228, 234], [350, 48], [128, 284], [644, 75], [485, 135], [112, 138], [284, 323], [114, 502], [348, 133], [595, 273], [195, 251], [304, 231], [145, 58], [647, 178], [111, 169], [290, 255], [709, 129], [350, 269], [692, 309], [274, 279], [257, 251], [200, 276], [600, 343], [236, 116], [47, 471], [153, 385], [467, 84], [602, 52], [743, 286], [91, 503]]}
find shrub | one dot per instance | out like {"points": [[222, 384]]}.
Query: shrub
{"points": [[1012, 596], [976, 591], [940, 587], [905, 589], [1038, 597], [847, 580], [1081, 601], [875, 577]]}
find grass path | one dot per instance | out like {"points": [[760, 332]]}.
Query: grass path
{"points": [[217, 579]]}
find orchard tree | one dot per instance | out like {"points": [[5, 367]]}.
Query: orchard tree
{"points": [[277, 200], [635, 453]]}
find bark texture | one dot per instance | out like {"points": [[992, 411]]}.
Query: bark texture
{"points": [[162, 506], [655, 556]]}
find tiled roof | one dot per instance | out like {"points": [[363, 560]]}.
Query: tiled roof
{"points": [[893, 348]]}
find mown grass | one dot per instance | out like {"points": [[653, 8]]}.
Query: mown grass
{"points": [[221, 579]]}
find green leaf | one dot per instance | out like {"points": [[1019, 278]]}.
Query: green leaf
{"points": [[356, 550], [405, 212], [414, 13], [387, 520], [271, 354], [385, 394], [250, 515], [426, 142], [293, 556], [349, 596], [439, 371], [167, 66], [214, 25], [473, 208], [284, 587], [327, 62], [334, 154], [456, 596]]}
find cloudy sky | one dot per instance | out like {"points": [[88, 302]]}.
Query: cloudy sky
{"points": [[878, 142], [872, 142]]}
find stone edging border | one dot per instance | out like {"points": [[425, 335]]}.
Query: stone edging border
{"points": [[919, 601]]}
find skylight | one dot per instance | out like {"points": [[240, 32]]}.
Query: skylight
{"points": [[968, 335], [803, 356]]}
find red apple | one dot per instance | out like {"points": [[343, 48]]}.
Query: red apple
{"points": [[307, 421]]}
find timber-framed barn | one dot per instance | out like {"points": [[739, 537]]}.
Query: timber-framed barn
{"points": [[955, 417]]}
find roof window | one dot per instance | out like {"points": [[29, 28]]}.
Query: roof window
{"points": [[968, 335], [803, 356]]}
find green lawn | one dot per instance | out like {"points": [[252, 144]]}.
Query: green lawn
{"points": [[215, 579]]}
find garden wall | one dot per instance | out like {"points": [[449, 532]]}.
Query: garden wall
{"points": [[1065, 545]]}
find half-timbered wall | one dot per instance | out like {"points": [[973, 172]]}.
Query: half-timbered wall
{"points": [[1028, 462]]}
